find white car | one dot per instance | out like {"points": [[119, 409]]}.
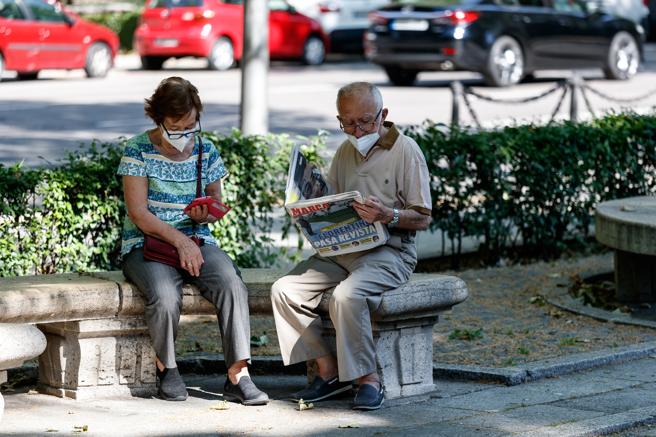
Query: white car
{"points": [[344, 21]]}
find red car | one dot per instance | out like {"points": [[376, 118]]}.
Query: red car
{"points": [[213, 29], [36, 35]]}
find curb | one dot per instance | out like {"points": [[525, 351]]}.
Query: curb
{"points": [[546, 368]]}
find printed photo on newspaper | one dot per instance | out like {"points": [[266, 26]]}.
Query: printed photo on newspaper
{"points": [[328, 222]]}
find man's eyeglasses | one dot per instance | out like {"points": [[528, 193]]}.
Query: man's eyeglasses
{"points": [[364, 126], [183, 134]]}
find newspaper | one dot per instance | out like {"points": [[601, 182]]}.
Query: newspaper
{"points": [[328, 221]]}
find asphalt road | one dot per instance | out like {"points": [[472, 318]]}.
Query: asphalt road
{"points": [[40, 120]]}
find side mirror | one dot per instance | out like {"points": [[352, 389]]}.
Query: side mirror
{"points": [[292, 10], [70, 21], [592, 7]]}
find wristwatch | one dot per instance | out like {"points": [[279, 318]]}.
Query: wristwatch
{"points": [[395, 218]]}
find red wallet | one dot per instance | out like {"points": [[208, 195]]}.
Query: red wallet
{"points": [[214, 207]]}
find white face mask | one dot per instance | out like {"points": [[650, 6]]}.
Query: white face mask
{"points": [[178, 143], [364, 143]]}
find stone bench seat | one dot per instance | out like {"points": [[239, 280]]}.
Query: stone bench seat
{"points": [[98, 344]]}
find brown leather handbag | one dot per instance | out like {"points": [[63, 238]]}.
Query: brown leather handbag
{"points": [[156, 249]]}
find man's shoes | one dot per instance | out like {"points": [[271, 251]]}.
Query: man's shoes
{"points": [[171, 385], [320, 390], [369, 397], [245, 392]]}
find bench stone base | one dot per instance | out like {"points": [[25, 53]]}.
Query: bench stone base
{"points": [[635, 277], [404, 355], [101, 358]]}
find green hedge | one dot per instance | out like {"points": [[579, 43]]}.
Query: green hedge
{"points": [[533, 189], [122, 23], [68, 218]]}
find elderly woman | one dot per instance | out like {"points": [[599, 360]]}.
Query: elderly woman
{"points": [[159, 169]]}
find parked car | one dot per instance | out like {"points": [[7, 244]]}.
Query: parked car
{"points": [[344, 21], [213, 29], [505, 40], [35, 35]]}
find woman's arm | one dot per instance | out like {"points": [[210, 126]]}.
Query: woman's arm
{"points": [[200, 214], [135, 189]]}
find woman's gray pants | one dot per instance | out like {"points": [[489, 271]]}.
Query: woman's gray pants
{"points": [[219, 282]]}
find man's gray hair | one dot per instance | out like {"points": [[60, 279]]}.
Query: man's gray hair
{"points": [[360, 90]]}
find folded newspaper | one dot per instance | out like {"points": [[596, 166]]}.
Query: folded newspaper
{"points": [[328, 222]]}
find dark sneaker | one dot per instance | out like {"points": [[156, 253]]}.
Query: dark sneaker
{"points": [[245, 392], [320, 390], [171, 385], [369, 397]]}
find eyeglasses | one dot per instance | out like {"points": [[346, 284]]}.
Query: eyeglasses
{"points": [[182, 134], [364, 126]]}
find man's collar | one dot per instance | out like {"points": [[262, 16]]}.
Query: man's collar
{"points": [[390, 137]]}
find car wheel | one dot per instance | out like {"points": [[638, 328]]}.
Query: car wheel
{"points": [[31, 75], [505, 65], [222, 55], [314, 51], [623, 57], [99, 60], [152, 62], [401, 76]]}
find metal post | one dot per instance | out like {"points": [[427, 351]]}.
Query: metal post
{"points": [[574, 84], [254, 111], [456, 93]]}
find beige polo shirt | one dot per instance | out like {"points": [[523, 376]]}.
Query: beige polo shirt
{"points": [[394, 170]]}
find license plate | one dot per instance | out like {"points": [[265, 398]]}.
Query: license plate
{"points": [[412, 25], [166, 42]]}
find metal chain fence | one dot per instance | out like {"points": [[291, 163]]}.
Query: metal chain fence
{"points": [[573, 86]]}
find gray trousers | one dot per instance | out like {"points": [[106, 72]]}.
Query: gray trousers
{"points": [[219, 282], [359, 280]]}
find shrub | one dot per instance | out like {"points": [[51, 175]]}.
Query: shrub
{"points": [[534, 187], [69, 217], [122, 23]]}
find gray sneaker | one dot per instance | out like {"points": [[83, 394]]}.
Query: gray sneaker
{"points": [[245, 392], [320, 390]]}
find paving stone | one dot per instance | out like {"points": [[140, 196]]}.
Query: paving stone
{"points": [[615, 401], [640, 370], [525, 419]]}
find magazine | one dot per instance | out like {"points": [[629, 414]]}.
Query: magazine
{"points": [[328, 221]]}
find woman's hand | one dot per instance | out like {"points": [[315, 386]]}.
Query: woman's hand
{"points": [[372, 210], [199, 214], [191, 258]]}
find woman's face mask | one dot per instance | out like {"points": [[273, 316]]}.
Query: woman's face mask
{"points": [[179, 139]]}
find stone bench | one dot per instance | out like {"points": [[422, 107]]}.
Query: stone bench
{"points": [[629, 226], [98, 344]]}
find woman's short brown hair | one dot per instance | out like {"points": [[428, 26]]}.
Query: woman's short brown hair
{"points": [[174, 97]]}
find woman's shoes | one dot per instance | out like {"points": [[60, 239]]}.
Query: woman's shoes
{"points": [[171, 386], [245, 392]]}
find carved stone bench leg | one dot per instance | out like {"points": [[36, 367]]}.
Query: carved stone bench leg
{"points": [[97, 358], [404, 355]]}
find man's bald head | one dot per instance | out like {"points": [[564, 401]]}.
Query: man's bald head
{"points": [[364, 92]]}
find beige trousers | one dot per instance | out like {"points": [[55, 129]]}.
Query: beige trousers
{"points": [[359, 280]]}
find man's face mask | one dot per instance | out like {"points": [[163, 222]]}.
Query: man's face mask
{"points": [[364, 143]]}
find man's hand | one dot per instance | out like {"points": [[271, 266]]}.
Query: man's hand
{"points": [[372, 210]]}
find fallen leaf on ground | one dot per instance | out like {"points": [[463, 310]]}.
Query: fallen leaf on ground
{"points": [[303, 406], [82, 428], [32, 392], [221, 405]]}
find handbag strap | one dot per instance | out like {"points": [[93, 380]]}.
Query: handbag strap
{"points": [[199, 167]]}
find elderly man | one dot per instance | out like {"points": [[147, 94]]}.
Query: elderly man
{"points": [[390, 172]]}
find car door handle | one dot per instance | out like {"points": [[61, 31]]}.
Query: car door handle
{"points": [[524, 18], [44, 33]]}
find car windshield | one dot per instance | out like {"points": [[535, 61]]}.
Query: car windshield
{"points": [[174, 3]]}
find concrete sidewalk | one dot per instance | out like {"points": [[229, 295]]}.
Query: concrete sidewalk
{"points": [[596, 402]]}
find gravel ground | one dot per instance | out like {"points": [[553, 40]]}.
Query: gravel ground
{"points": [[503, 323]]}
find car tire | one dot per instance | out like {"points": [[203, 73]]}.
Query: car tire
{"points": [[222, 55], [401, 76], [623, 57], [98, 60], [505, 64], [29, 75], [314, 51], [152, 62]]}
